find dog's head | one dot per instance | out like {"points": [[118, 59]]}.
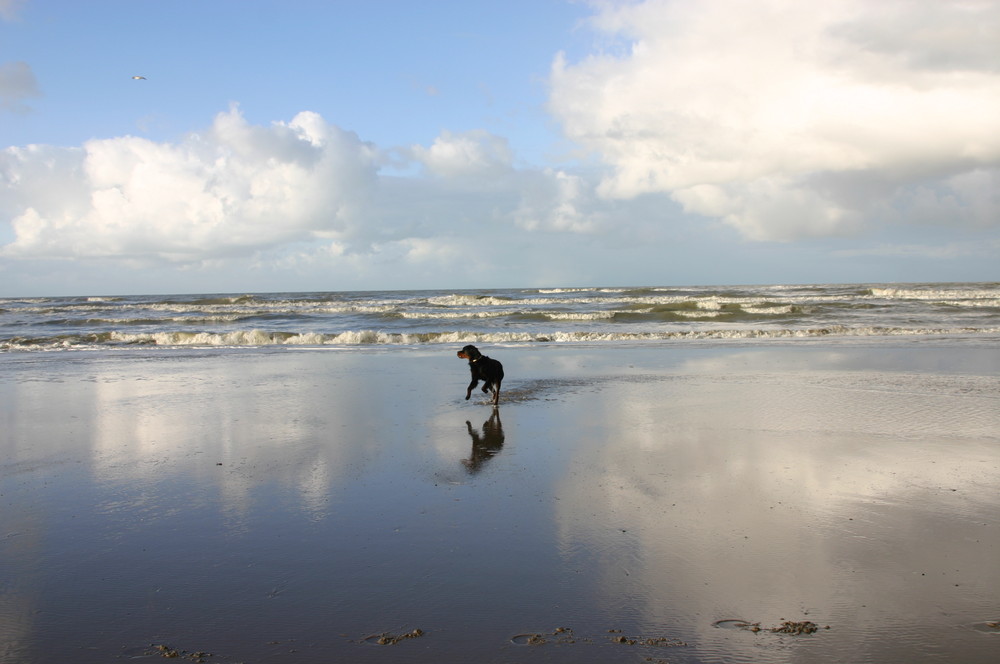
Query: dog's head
{"points": [[470, 353]]}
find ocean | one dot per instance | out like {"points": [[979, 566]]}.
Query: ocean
{"points": [[970, 311]]}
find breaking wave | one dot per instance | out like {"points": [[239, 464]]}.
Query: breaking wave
{"points": [[536, 315], [258, 338]]}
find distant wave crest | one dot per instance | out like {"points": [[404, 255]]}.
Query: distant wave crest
{"points": [[259, 338]]}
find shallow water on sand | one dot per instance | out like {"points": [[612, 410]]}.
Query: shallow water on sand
{"points": [[622, 504]]}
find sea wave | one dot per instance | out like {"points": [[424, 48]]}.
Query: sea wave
{"points": [[468, 299], [534, 315], [932, 294], [985, 303], [260, 338], [456, 305]]}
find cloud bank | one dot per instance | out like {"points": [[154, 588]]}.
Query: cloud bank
{"points": [[238, 189], [233, 189], [791, 119]]}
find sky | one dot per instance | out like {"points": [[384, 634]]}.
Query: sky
{"points": [[299, 145]]}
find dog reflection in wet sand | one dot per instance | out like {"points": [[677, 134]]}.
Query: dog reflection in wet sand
{"points": [[486, 445], [484, 369]]}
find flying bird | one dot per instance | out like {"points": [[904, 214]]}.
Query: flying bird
{"points": [[138, 78]]}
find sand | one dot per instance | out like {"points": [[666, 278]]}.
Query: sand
{"points": [[623, 504]]}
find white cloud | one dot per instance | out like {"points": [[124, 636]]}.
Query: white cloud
{"points": [[17, 83], [558, 201], [470, 154], [763, 113], [233, 190], [304, 193]]}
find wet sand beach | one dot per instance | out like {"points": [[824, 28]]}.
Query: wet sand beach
{"points": [[773, 502]]}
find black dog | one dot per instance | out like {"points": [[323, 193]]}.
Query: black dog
{"points": [[483, 369]]}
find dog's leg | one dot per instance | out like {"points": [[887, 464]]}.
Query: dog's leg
{"points": [[496, 393], [472, 386]]}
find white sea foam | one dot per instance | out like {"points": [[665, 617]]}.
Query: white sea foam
{"points": [[573, 290], [453, 315], [957, 294], [581, 316], [701, 314], [985, 302], [774, 310], [467, 300], [379, 337]]}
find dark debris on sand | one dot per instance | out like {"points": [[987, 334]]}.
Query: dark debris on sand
{"points": [[560, 635], [387, 639], [657, 642], [794, 628], [803, 627], [565, 635], [173, 653]]}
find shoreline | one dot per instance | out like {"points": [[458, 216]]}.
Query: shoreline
{"points": [[251, 504]]}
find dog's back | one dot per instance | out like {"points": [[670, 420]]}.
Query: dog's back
{"points": [[491, 370]]}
